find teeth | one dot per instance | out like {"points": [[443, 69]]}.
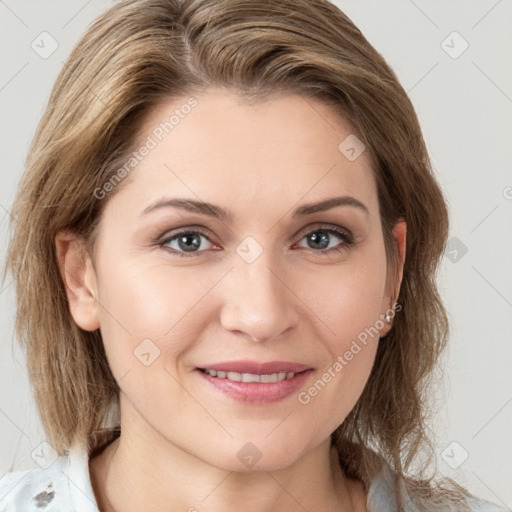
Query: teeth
{"points": [[250, 377]]}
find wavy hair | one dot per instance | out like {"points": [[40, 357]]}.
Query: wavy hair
{"points": [[141, 52]]}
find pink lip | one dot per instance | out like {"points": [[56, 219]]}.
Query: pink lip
{"points": [[257, 368], [257, 392]]}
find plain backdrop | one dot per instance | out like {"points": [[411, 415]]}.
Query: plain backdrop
{"points": [[454, 60]]}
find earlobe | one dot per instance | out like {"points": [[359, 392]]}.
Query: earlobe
{"points": [[79, 278]]}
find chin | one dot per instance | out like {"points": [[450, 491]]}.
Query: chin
{"points": [[247, 457]]}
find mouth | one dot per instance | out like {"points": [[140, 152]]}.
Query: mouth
{"points": [[256, 383], [254, 371]]}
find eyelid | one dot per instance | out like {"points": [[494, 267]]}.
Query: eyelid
{"points": [[317, 226], [169, 236], [201, 230]]}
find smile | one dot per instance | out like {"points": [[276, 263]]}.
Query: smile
{"points": [[253, 388], [249, 377]]}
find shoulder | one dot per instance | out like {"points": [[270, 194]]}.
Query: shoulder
{"points": [[382, 497], [65, 484], [34, 489], [480, 505]]}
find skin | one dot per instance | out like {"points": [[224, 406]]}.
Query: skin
{"points": [[180, 438]]}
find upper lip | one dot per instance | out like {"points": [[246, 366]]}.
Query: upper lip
{"points": [[257, 368]]}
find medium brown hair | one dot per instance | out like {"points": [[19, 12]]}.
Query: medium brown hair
{"points": [[142, 52]]}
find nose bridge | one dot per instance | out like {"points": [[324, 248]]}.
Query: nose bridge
{"points": [[257, 302]]}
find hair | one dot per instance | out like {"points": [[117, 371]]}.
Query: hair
{"points": [[142, 52]]}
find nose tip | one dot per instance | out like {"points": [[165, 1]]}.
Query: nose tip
{"points": [[258, 304], [280, 335]]}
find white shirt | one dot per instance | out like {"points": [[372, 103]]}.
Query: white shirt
{"points": [[65, 486]]}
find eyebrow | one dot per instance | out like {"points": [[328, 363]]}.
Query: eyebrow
{"points": [[218, 212]]}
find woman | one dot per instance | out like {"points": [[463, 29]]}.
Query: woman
{"points": [[227, 293]]}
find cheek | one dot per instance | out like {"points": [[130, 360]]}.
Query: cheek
{"points": [[347, 304], [146, 310], [152, 318], [150, 300], [146, 328], [346, 298]]}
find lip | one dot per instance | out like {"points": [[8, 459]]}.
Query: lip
{"points": [[257, 392], [257, 368]]}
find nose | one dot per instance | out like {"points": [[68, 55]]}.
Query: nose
{"points": [[258, 302]]}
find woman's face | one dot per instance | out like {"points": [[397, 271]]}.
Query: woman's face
{"points": [[267, 282]]}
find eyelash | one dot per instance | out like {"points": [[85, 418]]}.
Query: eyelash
{"points": [[346, 236]]}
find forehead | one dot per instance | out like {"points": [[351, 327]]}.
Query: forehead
{"points": [[217, 148]]}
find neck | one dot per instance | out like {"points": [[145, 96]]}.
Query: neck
{"points": [[130, 475]]}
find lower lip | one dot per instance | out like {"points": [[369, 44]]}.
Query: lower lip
{"points": [[257, 392]]}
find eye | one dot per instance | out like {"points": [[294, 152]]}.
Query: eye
{"points": [[321, 239], [189, 243], [185, 242]]}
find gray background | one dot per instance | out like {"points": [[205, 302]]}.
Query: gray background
{"points": [[465, 108]]}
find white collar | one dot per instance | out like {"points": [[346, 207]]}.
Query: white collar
{"points": [[80, 488]]}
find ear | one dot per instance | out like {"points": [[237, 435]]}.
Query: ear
{"points": [[79, 277], [394, 276]]}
